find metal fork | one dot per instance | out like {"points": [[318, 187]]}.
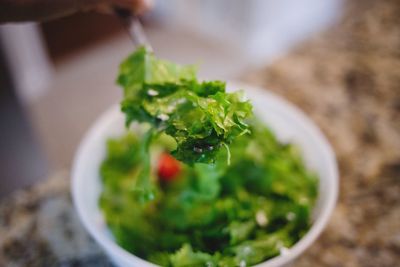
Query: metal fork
{"points": [[134, 27]]}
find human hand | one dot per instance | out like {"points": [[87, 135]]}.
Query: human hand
{"points": [[30, 10]]}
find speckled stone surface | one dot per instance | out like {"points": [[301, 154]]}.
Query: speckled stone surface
{"points": [[40, 228], [348, 81]]}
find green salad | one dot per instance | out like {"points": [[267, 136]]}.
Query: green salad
{"points": [[200, 182]]}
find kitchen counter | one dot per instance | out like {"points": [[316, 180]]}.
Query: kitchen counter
{"points": [[348, 80]]}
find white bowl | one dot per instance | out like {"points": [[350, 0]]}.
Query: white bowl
{"points": [[288, 123]]}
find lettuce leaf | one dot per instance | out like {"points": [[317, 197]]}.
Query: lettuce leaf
{"points": [[187, 257], [212, 214], [201, 116]]}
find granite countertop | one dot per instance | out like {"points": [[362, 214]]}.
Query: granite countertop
{"points": [[348, 80]]}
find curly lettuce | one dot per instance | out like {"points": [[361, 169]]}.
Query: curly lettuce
{"points": [[201, 116], [212, 214]]}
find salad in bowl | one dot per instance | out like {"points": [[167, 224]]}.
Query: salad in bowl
{"points": [[190, 174]]}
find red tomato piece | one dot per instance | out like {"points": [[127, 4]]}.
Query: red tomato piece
{"points": [[168, 167]]}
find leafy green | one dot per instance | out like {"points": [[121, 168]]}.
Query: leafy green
{"points": [[143, 187], [200, 116], [185, 257], [211, 214], [240, 231]]}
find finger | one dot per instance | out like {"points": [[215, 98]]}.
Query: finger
{"points": [[137, 7]]}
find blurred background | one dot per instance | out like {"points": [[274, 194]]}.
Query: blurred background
{"points": [[58, 76]]}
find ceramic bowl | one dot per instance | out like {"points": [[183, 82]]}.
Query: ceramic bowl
{"points": [[288, 123]]}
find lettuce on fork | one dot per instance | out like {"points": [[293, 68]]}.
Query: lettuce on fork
{"points": [[201, 116]]}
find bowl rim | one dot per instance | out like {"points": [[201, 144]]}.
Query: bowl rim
{"points": [[312, 234]]}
